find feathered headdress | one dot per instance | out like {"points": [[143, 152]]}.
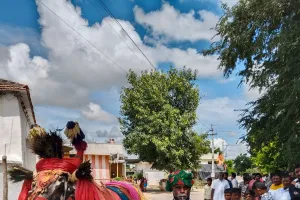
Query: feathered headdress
{"points": [[74, 132], [36, 130], [48, 145], [17, 174]]}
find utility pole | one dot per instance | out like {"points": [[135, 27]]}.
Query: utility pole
{"points": [[213, 174], [5, 182]]}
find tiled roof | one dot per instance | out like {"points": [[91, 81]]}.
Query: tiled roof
{"points": [[10, 86], [6, 85]]}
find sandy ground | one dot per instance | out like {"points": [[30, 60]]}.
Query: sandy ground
{"points": [[155, 195]]}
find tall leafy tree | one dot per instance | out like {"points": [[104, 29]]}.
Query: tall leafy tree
{"points": [[242, 162], [230, 167], [158, 113], [263, 36]]}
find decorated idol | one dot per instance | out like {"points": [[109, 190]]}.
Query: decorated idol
{"points": [[61, 178]]}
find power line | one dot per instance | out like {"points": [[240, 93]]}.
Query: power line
{"points": [[110, 13], [107, 21], [203, 124], [83, 37]]}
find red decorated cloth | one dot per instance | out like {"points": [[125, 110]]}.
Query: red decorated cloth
{"points": [[25, 189], [80, 148], [89, 190], [65, 164]]}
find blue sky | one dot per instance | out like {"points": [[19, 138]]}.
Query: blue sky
{"points": [[72, 80]]}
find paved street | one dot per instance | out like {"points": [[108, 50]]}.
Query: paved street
{"points": [[168, 196]]}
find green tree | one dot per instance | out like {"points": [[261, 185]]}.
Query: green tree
{"points": [[242, 162], [263, 37], [158, 113], [230, 167], [218, 150]]}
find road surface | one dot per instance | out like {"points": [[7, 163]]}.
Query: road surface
{"points": [[155, 195]]}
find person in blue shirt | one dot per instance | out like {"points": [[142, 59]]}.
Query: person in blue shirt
{"points": [[226, 178]]}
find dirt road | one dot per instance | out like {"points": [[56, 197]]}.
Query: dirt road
{"points": [[168, 196]]}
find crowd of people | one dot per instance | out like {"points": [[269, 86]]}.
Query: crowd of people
{"points": [[276, 186]]}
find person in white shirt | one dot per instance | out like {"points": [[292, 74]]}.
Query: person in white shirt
{"points": [[207, 189], [234, 182], [283, 193], [218, 187]]}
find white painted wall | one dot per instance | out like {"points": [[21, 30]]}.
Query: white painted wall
{"points": [[10, 128], [14, 129], [208, 157], [14, 189], [153, 176], [143, 166], [28, 156]]}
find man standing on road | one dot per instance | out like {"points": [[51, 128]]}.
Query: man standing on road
{"points": [[226, 178], [234, 182], [244, 184], [180, 183], [218, 188]]}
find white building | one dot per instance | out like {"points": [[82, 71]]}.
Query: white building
{"points": [[16, 117], [207, 158]]}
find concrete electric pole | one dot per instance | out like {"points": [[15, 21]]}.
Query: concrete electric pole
{"points": [[213, 174]]}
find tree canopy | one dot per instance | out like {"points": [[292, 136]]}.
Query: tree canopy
{"points": [[260, 40], [158, 113], [242, 162]]}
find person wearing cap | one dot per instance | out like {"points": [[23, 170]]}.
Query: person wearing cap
{"points": [[180, 183]]}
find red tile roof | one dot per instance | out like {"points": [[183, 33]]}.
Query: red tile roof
{"points": [[6, 85], [10, 86]]}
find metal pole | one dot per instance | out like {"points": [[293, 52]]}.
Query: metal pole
{"points": [[118, 165], [213, 154]]}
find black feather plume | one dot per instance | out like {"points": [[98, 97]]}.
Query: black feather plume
{"points": [[17, 174]]}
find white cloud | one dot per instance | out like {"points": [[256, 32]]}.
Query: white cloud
{"points": [[74, 69], [174, 25], [220, 111], [230, 3], [95, 112], [251, 94], [206, 66], [231, 151]]}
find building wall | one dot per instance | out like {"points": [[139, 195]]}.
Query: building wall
{"points": [[10, 128], [100, 167], [29, 157], [143, 166], [153, 176], [207, 158], [14, 189]]}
